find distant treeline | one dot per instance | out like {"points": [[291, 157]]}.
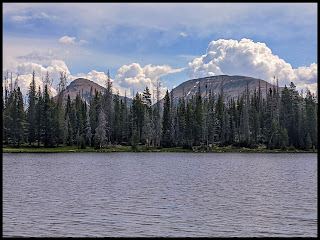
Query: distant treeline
{"points": [[282, 120]]}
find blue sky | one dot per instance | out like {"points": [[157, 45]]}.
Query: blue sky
{"points": [[142, 42]]}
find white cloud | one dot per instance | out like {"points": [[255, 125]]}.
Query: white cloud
{"points": [[249, 59], [67, 40], [24, 72], [135, 78], [72, 41], [132, 78], [95, 76], [182, 34]]}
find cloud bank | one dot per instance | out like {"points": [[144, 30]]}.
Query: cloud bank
{"points": [[130, 78], [136, 78], [24, 73], [247, 58], [230, 57]]}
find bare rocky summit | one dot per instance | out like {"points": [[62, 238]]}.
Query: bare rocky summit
{"points": [[233, 86]]}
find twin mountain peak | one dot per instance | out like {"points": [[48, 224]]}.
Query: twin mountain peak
{"points": [[233, 86]]}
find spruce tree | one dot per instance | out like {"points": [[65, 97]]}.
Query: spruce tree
{"points": [[100, 135], [31, 111], [166, 121]]}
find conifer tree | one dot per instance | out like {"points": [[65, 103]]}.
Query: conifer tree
{"points": [[166, 121], [31, 111], [47, 124], [100, 135], [39, 116]]}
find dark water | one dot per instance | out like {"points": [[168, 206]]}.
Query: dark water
{"points": [[160, 194]]}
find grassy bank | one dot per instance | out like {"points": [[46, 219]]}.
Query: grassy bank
{"points": [[119, 148]]}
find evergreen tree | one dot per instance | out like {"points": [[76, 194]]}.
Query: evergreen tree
{"points": [[198, 118], [31, 111], [283, 138], [39, 116], [182, 123], [117, 119], [95, 107], [47, 124], [62, 85], [88, 131], [311, 118], [274, 135], [166, 122], [101, 136], [108, 106], [17, 116], [138, 116], [124, 120]]}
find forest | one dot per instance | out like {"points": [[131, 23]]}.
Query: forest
{"points": [[283, 120]]}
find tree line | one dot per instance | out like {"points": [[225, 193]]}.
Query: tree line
{"points": [[281, 120]]}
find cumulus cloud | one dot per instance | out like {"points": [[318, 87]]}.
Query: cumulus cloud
{"points": [[130, 78], [95, 76], [72, 41], [133, 77], [245, 57], [24, 73], [68, 40]]}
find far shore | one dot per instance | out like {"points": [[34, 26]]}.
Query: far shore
{"points": [[119, 148]]}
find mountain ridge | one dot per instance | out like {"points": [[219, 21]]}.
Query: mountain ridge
{"points": [[233, 86]]}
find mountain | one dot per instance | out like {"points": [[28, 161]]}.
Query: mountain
{"points": [[83, 87], [233, 86]]}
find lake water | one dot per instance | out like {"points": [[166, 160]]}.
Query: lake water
{"points": [[160, 194]]}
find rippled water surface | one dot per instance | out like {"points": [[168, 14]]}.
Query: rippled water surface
{"points": [[160, 194]]}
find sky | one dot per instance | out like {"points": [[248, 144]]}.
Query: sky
{"points": [[142, 44]]}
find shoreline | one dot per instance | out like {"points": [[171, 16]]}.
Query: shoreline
{"points": [[228, 149]]}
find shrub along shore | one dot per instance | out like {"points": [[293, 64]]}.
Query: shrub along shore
{"points": [[119, 148]]}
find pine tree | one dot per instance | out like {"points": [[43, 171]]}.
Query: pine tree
{"points": [[166, 121], [148, 130], [62, 85], [68, 130], [138, 116], [117, 115], [47, 124], [31, 111], [88, 131], [39, 116], [311, 118], [157, 123], [274, 135], [283, 138], [198, 117], [17, 128], [101, 136], [108, 106], [181, 114], [124, 121]]}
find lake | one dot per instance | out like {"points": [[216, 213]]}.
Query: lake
{"points": [[160, 195]]}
